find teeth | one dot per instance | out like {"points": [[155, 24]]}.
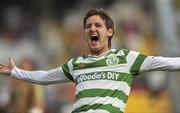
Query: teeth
{"points": [[93, 35]]}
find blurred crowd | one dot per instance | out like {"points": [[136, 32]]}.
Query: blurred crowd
{"points": [[44, 34]]}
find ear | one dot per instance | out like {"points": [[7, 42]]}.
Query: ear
{"points": [[110, 32]]}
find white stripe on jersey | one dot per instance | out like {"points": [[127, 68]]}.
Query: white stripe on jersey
{"points": [[88, 60], [95, 111], [131, 57], [70, 65], [100, 100], [146, 64], [102, 84]]}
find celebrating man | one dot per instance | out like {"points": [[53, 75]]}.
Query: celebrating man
{"points": [[104, 77]]}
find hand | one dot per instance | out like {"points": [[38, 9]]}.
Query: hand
{"points": [[6, 69]]}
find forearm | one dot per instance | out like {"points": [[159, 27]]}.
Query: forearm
{"points": [[157, 63], [39, 77]]}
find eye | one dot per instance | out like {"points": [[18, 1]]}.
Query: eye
{"points": [[98, 25], [88, 26]]}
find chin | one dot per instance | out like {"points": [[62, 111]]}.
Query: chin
{"points": [[95, 49]]}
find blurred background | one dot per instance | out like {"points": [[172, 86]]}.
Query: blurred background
{"points": [[44, 34]]}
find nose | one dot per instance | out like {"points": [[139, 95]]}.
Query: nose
{"points": [[93, 28]]}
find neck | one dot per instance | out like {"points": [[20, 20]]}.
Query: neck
{"points": [[99, 52]]}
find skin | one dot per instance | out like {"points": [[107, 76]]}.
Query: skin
{"points": [[6, 69], [95, 25]]}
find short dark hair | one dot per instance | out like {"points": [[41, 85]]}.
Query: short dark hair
{"points": [[105, 16]]}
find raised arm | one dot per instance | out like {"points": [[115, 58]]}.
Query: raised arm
{"points": [[139, 63], [158, 63], [39, 77]]}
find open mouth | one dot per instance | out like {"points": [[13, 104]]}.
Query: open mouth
{"points": [[94, 38]]}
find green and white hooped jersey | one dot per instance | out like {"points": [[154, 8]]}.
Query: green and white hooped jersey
{"points": [[103, 83]]}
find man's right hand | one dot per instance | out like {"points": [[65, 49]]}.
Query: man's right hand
{"points": [[6, 69]]}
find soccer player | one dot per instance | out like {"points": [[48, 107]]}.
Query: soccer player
{"points": [[104, 77]]}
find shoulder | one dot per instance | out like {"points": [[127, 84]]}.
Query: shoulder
{"points": [[121, 52], [128, 52], [74, 60]]}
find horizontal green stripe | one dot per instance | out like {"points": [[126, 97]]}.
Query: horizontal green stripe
{"points": [[137, 64], [105, 75], [107, 107], [102, 93], [67, 72]]}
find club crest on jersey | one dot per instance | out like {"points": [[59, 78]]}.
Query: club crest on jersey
{"points": [[112, 59]]}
